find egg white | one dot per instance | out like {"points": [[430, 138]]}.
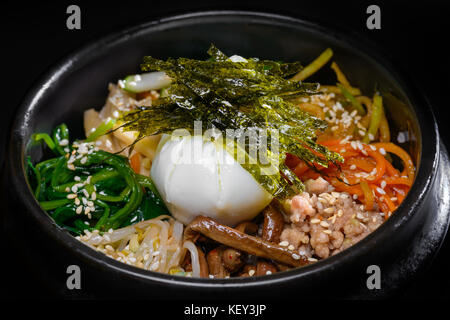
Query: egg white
{"points": [[212, 184]]}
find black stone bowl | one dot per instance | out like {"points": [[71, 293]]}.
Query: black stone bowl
{"points": [[401, 247]]}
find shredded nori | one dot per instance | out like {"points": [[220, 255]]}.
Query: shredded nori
{"points": [[223, 94]]}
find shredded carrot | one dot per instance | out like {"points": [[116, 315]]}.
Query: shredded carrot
{"points": [[291, 160], [300, 168], [363, 181], [361, 163], [389, 204], [135, 162], [395, 180], [368, 195], [409, 169], [391, 170], [381, 163]]}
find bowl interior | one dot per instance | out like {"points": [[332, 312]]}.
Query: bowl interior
{"points": [[81, 81]]}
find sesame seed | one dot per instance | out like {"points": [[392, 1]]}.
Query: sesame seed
{"points": [[381, 191], [83, 161], [383, 184], [382, 151], [327, 231], [291, 247], [71, 196], [352, 167], [64, 142], [295, 256], [359, 145], [94, 196], [312, 259], [74, 189], [79, 209], [371, 137], [77, 178], [284, 243], [324, 224], [251, 272], [340, 213], [71, 166], [335, 194], [67, 189], [77, 201], [315, 221]]}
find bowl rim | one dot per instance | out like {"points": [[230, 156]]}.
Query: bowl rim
{"points": [[424, 177]]}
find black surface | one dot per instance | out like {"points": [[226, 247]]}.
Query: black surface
{"points": [[412, 34]]}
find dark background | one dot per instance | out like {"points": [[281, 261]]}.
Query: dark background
{"points": [[413, 34]]}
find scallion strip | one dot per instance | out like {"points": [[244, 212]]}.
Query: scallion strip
{"points": [[355, 103], [375, 119], [314, 66], [102, 129]]}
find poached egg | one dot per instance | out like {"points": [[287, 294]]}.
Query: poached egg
{"points": [[199, 177]]}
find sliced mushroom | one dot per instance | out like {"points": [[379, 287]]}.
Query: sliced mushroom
{"points": [[247, 271], [239, 240], [216, 268], [264, 267], [282, 267], [231, 259], [273, 224], [204, 270], [186, 263], [247, 227]]}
